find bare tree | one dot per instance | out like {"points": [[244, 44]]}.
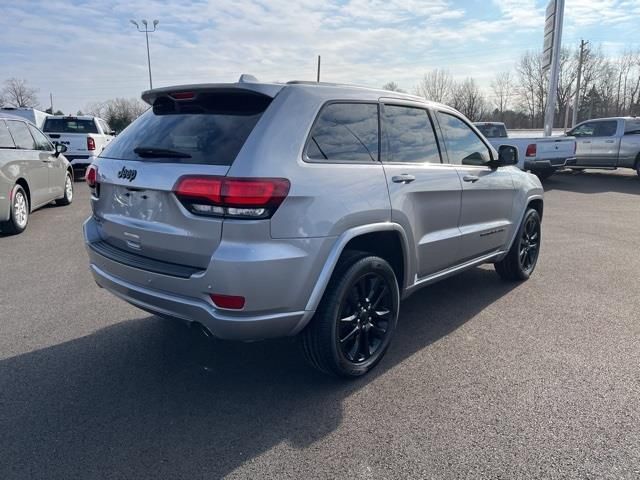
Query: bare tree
{"points": [[16, 93], [502, 87], [392, 87], [436, 85], [468, 99]]}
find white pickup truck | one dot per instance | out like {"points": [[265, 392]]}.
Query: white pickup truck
{"points": [[540, 155], [84, 136]]}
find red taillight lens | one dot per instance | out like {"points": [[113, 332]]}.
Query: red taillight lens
{"points": [[531, 150], [233, 197], [91, 143], [91, 176], [231, 302]]}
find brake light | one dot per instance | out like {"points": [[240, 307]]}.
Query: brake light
{"points": [[232, 197], [91, 143], [182, 95], [231, 302], [91, 177], [532, 150]]}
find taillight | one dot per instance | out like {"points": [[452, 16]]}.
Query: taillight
{"points": [[532, 150], [91, 143], [91, 176], [232, 197]]}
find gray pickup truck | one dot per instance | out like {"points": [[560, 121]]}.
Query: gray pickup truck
{"points": [[608, 143]]}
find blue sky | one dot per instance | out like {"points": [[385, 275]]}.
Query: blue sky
{"points": [[85, 50]]}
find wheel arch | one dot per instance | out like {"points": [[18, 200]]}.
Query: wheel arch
{"points": [[537, 203], [382, 239]]}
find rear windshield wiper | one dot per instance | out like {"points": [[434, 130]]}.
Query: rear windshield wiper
{"points": [[152, 152]]}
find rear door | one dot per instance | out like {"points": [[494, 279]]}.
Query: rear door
{"points": [[134, 202], [425, 194], [33, 163], [487, 193], [56, 168]]}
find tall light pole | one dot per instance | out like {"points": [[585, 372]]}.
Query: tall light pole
{"points": [[146, 34]]}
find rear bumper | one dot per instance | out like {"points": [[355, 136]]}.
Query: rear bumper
{"points": [[80, 161], [276, 280], [194, 310], [534, 164]]}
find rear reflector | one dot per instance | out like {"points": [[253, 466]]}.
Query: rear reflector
{"points": [[230, 302], [531, 150], [232, 197], [91, 176], [91, 143]]}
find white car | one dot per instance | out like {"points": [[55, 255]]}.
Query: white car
{"points": [[84, 136]]}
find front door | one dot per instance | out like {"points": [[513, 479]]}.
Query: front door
{"points": [[425, 194], [605, 144], [487, 193], [35, 168]]}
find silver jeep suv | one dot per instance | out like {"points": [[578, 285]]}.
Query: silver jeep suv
{"points": [[262, 210]]}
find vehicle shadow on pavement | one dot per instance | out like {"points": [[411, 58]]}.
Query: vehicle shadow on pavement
{"points": [[593, 182], [130, 401]]}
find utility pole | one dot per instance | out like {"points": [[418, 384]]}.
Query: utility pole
{"points": [[146, 34], [555, 13], [51, 100], [318, 69], [576, 100]]}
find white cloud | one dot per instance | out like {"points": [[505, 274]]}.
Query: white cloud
{"points": [[89, 52]]}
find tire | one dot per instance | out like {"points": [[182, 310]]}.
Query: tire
{"points": [[19, 212], [544, 174], [349, 317], [518, 266], [68, 192]]}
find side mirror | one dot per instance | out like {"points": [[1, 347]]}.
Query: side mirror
{"points": [[60, 148], [113, 132], [507, 155]]}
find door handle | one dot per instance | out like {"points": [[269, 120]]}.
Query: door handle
{"points": [[404, 178], [586, 141], [610, 141], [471, 178]]}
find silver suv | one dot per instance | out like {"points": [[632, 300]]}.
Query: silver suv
{"points": [[263, 210]]}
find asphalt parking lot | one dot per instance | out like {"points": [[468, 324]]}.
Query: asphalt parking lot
{"points": [[484, 379]]}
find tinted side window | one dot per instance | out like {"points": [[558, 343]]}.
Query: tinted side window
{"points": [[41, 141], [5, 137], [605, 129], [345, 132], [632, 126], [21, 136], [409, 135], [464, 147]]}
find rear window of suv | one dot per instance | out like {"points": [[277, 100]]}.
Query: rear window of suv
{"points": [[69, 125], [209, 129], [5, 137]]}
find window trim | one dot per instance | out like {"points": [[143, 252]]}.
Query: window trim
{"points": [[385, 151], [305, 157], [473, 129]]}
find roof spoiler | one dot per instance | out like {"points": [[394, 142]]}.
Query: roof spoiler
{"points": [[246, 82]]}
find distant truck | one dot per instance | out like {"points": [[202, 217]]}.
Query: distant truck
{"points": [[608, 143], [84, 136], [34, 115], [539, 155]]}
